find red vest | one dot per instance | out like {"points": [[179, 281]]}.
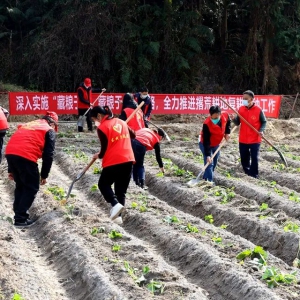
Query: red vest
{"points": [[247, 134], [29, 140], [216, 132], [147, 137], [87, 95], [3, 121], [137, 122], [119, 149]]}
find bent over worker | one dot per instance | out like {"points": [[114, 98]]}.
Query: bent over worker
{"points": [[117, 158], [145, 139], [30, 142], [128, 107], [249, 140], [3, 127], [214, 129]]}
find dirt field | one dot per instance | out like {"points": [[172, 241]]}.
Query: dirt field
{"points": [[179, 242]]}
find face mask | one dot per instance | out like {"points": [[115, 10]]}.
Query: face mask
{"points": [[245, 102], [97, 123], [215, 121], [144, 96]]}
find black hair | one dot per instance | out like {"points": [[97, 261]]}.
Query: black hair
{"points": [[128, 101], [49, 120], [215, 109], [144, 89], [250, 93], [160, 132], [103, 110]]}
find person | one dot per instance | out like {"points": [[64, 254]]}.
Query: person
{"points": [[143, 95], [117, 158], [3, 128], [84, 94], [249, 140], [145, 139], [30, 142], [128, 107], [214, 129]]}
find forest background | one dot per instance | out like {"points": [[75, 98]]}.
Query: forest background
{"points": [[171, 46]]}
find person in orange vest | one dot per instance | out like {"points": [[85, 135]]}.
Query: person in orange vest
{"points": [[214, 129], [117, 158], [145, 139], [128, 106], [3, 128], [84, 94], [249, 140], [30, 142]]}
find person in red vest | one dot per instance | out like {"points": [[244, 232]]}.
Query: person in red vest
{"points": [[145, 139], [3, 128], [30, 142], [84, 94], [214, 129], [128, 106], [249, 140], [117, 158]]}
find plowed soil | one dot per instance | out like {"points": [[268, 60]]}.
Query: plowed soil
{"points": [[176, 242]]}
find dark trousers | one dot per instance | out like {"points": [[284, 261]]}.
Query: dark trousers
{"points": [[249, 158], [27, 179], [2, 135], [119, 175], [139, 151], [81, 112]]}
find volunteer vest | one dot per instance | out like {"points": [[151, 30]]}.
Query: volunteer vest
{"points": [[29, 140], [147, 137], [3, 121], [119, 149], [216, 132], [137, 122], [248, 135], [87, 95]]}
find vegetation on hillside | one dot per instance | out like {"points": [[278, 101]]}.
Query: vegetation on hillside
{"points": [[170, 46]]}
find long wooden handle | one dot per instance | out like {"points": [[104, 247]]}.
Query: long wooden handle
{"points": [[103, 90], [134, 112], [215, 153]]}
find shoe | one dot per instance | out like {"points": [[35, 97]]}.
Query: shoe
{"points": [[115, 211], [142, 184], [118, 220], [26, 223]]}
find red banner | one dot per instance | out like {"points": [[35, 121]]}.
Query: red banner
{"points": [[25, 103]]}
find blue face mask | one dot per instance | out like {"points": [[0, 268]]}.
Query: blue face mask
{"points": [[245, 102], [215, 121]]}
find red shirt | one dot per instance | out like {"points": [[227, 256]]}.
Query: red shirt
{"points": [[252, 115], [216, 132], [29, 140], [119, 149], [137, 122], [3, 121], [148, 138]]}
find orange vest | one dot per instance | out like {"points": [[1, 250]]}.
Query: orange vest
{"points": [[87, 95], [119, 149], [216, 132], [137, 122], [29, 140], [3, 121], [248, 135], [147, 137]]}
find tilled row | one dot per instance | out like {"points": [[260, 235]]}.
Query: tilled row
{"points": [[198, 260], [263, 232]]}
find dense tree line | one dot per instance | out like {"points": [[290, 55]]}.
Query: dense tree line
{"points": [[170, 46]]}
